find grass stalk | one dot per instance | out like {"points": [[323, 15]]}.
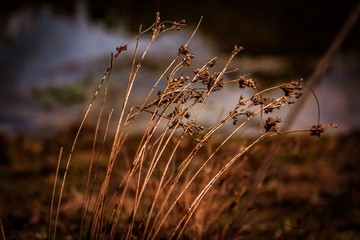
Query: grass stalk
{"points": [[53, 193], [161, 175]]}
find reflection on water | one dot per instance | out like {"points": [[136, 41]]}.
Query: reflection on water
{"points": [[50, 50]]}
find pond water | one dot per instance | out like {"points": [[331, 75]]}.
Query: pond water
{"points": [[46, 51]]}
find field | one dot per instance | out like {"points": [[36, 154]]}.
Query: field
{"points": [[167, 168], [311, 191]]}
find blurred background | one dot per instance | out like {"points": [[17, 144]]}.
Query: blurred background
{"points": [[53, 53]]}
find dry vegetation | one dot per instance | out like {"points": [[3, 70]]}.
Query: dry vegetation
{"points": [[182, 178]]}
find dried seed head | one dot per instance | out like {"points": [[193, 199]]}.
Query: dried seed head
{"points": [[212, 63], [215, 85], [183, 50], [288, 88], [175, 83], [120, 49], [235, 120], [257, 100], [178, 25], [157, 17], [271, 104], [193, 128], [333, 125], [243, 82], [271, 124], [234, 115], [241, 101], [186, 61], [197, 95], [237, 49], [317, 130], [249, 114], [196, 71]]}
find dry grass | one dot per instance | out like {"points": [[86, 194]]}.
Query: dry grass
{"points": [[169, 182]]}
